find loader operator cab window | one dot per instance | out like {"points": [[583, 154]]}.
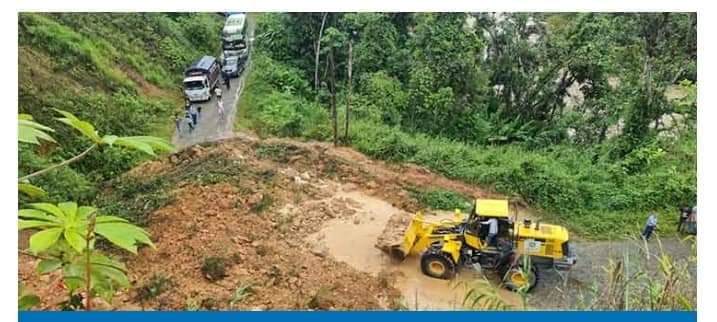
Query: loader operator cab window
{"points": [[474, 226]]}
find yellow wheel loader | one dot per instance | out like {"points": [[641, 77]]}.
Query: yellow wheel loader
{"points": [[447, 245]]}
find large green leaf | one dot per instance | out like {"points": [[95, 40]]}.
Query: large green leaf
{"points": [[84, 127], [123, 235], [37, 214], [48, 265], [31, 190], [27, 301], [44, 239], [109, 219], [50, 208], [146, 144], [75, 239], [74, 275], [26, 224], [29, 131], [99, 259], [112, 273], [69, 209], [84, 212]]}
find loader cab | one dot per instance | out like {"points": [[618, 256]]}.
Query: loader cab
{"points": [[482, 210]]}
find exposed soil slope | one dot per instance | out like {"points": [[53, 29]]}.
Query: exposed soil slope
{"points": [[297, 226], [261, 209]]}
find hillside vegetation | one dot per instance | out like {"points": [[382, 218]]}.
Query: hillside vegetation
{"points": [[120, 71], [567, 111]]}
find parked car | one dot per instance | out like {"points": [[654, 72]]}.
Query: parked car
{"points": [[233, 66], [200, 79]]}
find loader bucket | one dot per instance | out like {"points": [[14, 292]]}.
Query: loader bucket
{"points": [[414, 231]]}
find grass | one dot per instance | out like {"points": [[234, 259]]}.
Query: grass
{"points": [[123, 79], [441, 199], [663, 283], [264, 203], [156, 285], [243, 291]]}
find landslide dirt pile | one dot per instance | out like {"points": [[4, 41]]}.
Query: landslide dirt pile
{"points": [[231, 232]]}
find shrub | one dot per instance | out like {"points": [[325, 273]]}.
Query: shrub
{"points": [[156, 285], [214, 268], [441, 199], [382, 142]]}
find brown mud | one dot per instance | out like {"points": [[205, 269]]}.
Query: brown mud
{"points": [[300, 222]]}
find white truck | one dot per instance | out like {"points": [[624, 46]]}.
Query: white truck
{"points": [[201, 78], [233, 33]]}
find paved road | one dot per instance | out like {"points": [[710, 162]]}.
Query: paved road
{"points": [[554, 292], [209, 126]]}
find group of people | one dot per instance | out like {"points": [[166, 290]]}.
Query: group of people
{"points": [[687, 222], [193, 112]]}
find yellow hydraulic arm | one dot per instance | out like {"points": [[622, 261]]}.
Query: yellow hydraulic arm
{"points": [[421, 233]]}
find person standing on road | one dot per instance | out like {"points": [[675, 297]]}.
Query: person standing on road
{"points": [[650, 226], [178, 123], [220, 110], [190, 124], [492, 230], [218, 93], [227, 81], [684, 213], [193, 114]]}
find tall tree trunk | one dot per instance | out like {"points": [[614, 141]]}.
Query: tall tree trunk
{"points": [[316, 57], [332, 89], [348, 98]]}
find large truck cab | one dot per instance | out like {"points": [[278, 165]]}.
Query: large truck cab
{"points": [[233, 36], [200, 78]]}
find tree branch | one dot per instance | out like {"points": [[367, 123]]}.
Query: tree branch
{"points": [[61, 164], [24, 252]]}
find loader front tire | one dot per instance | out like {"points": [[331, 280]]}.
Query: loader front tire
{"points": [[438, 265]]}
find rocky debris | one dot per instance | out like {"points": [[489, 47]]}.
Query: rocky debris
{"points": [[394, 231], [320, 250], [267, 247]]}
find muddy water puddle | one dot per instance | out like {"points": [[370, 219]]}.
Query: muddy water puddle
{"points": [[352, 240]]}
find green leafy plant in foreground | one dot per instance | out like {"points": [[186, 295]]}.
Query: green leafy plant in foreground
{"points": [[65, 234]]}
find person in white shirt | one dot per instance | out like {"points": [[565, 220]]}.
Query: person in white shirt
{"points": [[220, 110], [492, 230], [650, 226], [218, 93]]}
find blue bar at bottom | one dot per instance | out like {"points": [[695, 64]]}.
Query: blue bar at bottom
{"points": [[356, 316]]}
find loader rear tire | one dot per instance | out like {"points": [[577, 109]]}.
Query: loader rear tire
{"points": [[438, 265]]}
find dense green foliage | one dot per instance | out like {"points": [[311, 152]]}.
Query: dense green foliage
{"points": [[120, 71], [442, 199], [64, 235], [569, 112]]}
